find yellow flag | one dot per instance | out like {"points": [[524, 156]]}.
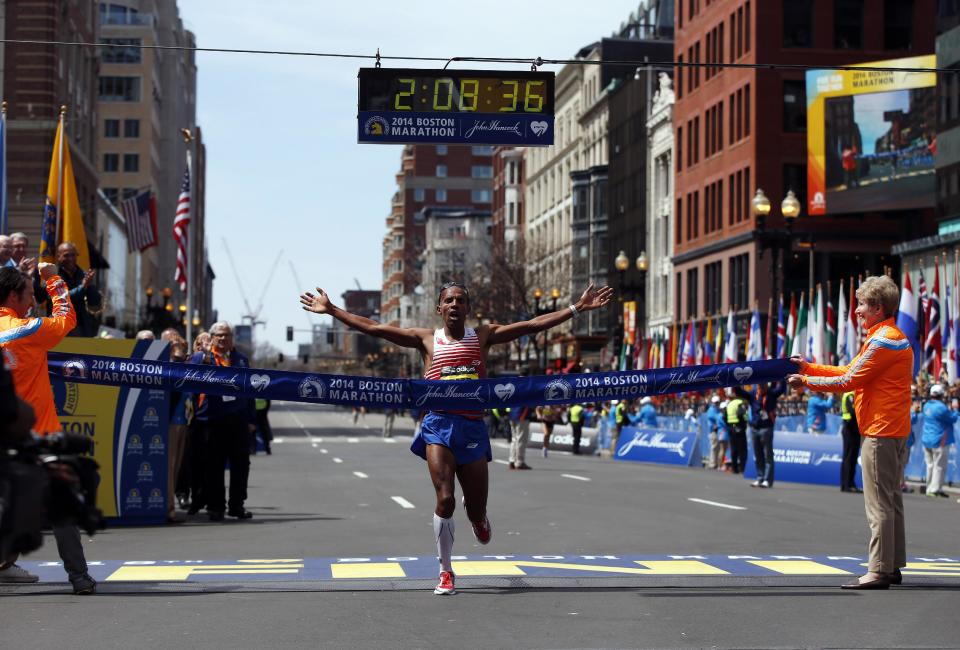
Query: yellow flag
{"points": [[61, 188]]}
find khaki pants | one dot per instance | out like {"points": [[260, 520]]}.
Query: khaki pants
{"points": [[936, 460], [881, 461], [176, 442], [520, 435]]}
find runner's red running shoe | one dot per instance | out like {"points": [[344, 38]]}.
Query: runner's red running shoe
{"points": [[445, 586], [482, 531]]}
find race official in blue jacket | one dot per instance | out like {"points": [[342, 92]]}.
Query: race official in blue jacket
{"points": [[817, 407], [225, 424], [648, 413], [937, 436]]}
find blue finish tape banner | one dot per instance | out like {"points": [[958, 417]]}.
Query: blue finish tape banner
{"points": [[417, 394]]}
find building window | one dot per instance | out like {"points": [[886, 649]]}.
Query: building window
{"points": [[131, 128], [441, 195], [480, 196], [441, 171], [120, 89], [511, 214], [111, 128], [740, 281], [484, 150], [121, 50], [712, 287], [419, 194], [481, 171], [794, 107], [798, 23], [111, 162], [678, 289], [746, 110], [795, 178], [678, 221], [441, 149], [679, 148], [692, 292], [131, 162], [111, 14], [897, 24], [848, 24]]}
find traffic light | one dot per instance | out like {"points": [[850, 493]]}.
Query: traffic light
{"points": [[289, 332]]}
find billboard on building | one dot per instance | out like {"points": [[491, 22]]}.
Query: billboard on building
{"points": [[871, 138]]}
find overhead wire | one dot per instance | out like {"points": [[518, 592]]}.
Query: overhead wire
{"points": [[536, 61]]}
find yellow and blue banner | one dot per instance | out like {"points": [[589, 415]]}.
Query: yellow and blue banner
{"points": [[62, 219]]}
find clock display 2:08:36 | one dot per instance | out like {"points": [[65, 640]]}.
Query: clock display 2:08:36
{"points": [[468, 95]]}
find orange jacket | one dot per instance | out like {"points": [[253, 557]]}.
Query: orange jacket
{"points": [[879, 377], [25, 342]]}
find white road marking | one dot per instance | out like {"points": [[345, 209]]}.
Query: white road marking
{"points": [[574, 476], [391, 441], [714, 503], [353, 439], [502, 462], [278, 440], [313, 444], [323, 451], [403, 502], [338, 460], [360, 475]]}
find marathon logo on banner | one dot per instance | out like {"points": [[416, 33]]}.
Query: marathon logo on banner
{"points": [[417, 394]]}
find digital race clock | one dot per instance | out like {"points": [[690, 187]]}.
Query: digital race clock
{"points": [[488, 107]]}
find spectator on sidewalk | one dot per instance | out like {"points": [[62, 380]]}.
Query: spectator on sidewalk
{"points": [[84, 294], [6, 252], [602, 411], [190, 483], [519, 436], [817, 407], [181, 412], [621, 418], [714, 423], [389, 416], [763, 416], [937, 436], [851, 443]]}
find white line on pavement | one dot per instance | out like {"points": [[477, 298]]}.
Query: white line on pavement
{"points": [[338, 460], [353, 439], [360, 475], [714, 503], [574, 476], [390, 441], [313, 444], [403, 502], [502, 462], [323, 451]]}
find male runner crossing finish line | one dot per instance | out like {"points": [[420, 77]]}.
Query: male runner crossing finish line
{"points": [[455, 443]]}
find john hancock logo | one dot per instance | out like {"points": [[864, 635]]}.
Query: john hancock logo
{"points": [[312, 388], [144, 473], [75, 368], [376, 125], [134, 445], [558, 389], [150, 417], [155, 499], [156, 445], [134, 498]]}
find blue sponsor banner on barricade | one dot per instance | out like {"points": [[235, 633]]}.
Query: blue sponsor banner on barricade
{"points": [[658, 446], [419, 394], [803, 458]]}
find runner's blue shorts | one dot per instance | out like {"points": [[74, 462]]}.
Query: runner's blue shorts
{"points": [[467, 439]]}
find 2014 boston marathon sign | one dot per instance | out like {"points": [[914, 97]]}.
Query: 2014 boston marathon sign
{"points": [[477, 107]]}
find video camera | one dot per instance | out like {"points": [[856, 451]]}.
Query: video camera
{"points": [[46, 481], [43, 480]]}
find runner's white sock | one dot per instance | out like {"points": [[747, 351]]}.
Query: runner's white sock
{"points": [[443, 531]]}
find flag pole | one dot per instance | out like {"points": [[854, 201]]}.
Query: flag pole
{"points": [[63, 136], [188, 141], [3, 180]]}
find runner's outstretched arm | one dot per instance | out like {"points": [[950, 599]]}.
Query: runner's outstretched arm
{"points": [[406, 337], [591, 299]]}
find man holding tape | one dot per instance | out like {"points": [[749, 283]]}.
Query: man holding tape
{"points": [[455, 442], [880, 377]]}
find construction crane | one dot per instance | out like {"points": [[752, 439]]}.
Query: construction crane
{"points": [[252, 315]]}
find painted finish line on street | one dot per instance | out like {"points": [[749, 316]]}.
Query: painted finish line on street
{"points": [[241, 571]]}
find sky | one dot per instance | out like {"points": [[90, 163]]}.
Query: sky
{"points": [[284, 171], [868, 113]]}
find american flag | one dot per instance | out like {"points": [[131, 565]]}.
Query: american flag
{"points": [[181, 222], [140, 214]]}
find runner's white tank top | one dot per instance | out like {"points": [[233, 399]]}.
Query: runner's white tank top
{"points": [[454, 359]]}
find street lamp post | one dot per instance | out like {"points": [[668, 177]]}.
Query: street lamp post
{"points": [[554, 296], [778, 240], [622, 263]]}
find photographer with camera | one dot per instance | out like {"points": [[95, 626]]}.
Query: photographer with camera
{"points": [[25, 343]]}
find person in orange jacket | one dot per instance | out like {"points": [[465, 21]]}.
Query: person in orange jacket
{"points": [[25, 342], [880, 377]]}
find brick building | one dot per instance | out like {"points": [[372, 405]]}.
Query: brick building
{"points": [[430, 176], [739, 129]]}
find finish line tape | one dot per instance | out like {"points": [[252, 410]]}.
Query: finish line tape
{"points": [[417, 394]]}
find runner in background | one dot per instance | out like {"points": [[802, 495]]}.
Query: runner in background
{"points": [[455, 443]]}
